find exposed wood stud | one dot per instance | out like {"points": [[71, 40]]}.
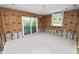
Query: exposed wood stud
{"points": [[11, 36], [66, 34], [50, 31], [5, 37], [57, 32], [61, 33], [77, 40], [43, 30], [53, 32], [22, 34], [0, 36], [73, 36], [17, 35]]}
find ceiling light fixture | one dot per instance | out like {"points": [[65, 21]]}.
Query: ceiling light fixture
{"points": [[75, 5], [44, 6], [13, 4]]}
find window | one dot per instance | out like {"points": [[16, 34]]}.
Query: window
{"points": [[57, 19]]}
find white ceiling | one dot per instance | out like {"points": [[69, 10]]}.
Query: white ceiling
{"points": [[39, 9]]}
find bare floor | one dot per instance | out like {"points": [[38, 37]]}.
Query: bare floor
{"points": [[41, 43]]}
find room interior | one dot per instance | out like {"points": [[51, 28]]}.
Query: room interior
{"points": [[23, 26]]}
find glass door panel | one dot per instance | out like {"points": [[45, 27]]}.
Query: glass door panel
{"points": [[26, 25], [33, 25]]}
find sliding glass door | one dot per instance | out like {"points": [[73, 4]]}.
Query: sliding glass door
{"points": [[29, 25], [34, 25]]}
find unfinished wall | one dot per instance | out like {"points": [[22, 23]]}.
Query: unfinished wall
{"points": [[10, 22], [47, 23], [70, 26], [70, 23], [11, 25]]}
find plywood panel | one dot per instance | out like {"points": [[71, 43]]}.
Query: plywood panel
{"points": [[77, 28], [6, 28], [70, 20], [11, 19]]}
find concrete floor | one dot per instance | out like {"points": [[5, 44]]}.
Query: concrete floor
{"points": [[41, 43]]}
